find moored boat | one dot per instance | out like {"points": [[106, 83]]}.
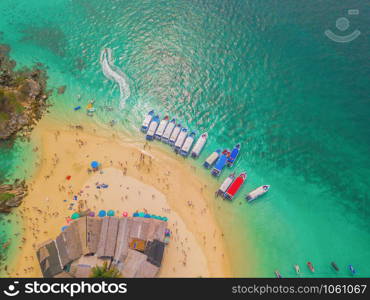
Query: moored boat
{"points": [[225, 185], [174, 135], [220, 163], [310, 266], [152, 128], [167, 133], [187, 144], [233, 155], [258, 192], [181, 139], [235, 186], [335, 266], [161, 128], [199, 145], [212, 159], [147, 120]]}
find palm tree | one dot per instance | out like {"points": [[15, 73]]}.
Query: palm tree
{"points": [[104, 272]]}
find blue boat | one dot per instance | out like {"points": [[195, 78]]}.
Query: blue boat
{"points": [[147, 120], [152, 128], [352, 269], [221, 162], [233, 155]]}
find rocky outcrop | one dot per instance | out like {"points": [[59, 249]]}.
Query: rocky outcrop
{"points": [[11, 195], [23, 96]]}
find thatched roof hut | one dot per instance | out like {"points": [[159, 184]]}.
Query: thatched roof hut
{"points": [[147, 270], [47, 255], [108, 237], [132, 263], [154, 251], [81, 224], [93, 229], [71, 238], [122, 243]]}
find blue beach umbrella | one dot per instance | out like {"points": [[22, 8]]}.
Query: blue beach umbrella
{"points": [[64, 228], [135, 214], [94, 164], [146, 216], [110, 213], [102, 213]]}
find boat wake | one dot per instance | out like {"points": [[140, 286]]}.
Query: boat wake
{"points": [[114, 73]]}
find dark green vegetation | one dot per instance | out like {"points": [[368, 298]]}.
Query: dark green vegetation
{"points": [[23, 96], [105, 272]]}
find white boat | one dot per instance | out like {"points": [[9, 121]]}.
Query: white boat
{"points": [[147, 120], [167, 133], [152, 128], [297, 269], [212, 159], [181, 139], [257, 192], [198, 147], [161, 128], [225, 185], [187, 144], [174, 135]]}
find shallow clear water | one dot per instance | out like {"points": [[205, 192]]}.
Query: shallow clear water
{"points": [[259, 73]]}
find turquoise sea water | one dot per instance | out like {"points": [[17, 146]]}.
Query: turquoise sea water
{"points": [[257, 72]]}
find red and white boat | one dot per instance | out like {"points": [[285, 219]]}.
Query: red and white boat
{"points": [[235, 186]]}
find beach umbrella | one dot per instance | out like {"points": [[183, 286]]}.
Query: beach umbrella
{"points": [[102, 213], [146, 216], [91, 214], [75, 216], [135, 214], [110, 213], [125, 214], [94, 164], [165, 219], [64, 228], [141, 214]]}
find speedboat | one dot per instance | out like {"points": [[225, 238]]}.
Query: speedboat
{"points": [[225, 185], [233, 155], [181, 139], [277, 274], [152, 128], [335, 266], [220, 163], [352, 269], [199, 145], [147, 120], [187, 144], [297, 269], [212, 159], [161, 128], [174, 135], [167, 133], [310, 266], [258, 192], [235, 186]]}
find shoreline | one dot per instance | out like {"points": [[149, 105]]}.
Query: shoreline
{"points": [[197, 248]]}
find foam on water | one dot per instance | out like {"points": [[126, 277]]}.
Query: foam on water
{"points": [[114, 73]]}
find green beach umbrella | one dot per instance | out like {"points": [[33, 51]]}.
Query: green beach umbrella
{"points": [[110, 213], [75, 216]]}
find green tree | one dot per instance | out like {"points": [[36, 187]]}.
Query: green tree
{"points": [[104, 272]]}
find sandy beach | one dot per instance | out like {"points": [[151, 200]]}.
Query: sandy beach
{"points": [[140, 177]]}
